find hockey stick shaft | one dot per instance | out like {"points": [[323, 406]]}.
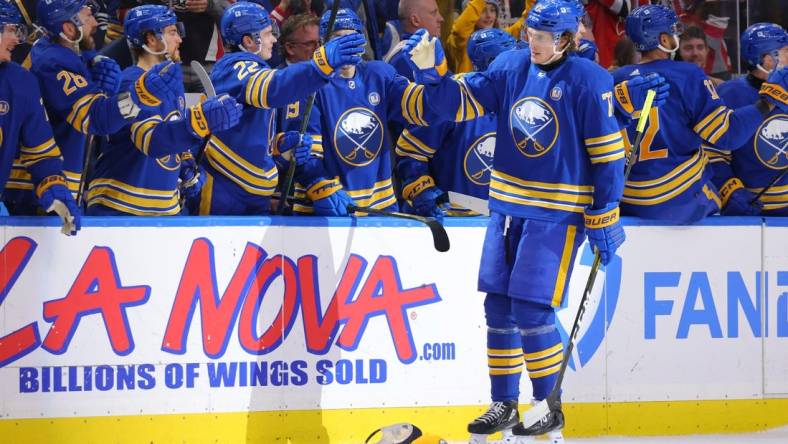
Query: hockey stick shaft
{"points": [[631, 159], [89, 146], [771, 184], [287, 184], [210, 91]]}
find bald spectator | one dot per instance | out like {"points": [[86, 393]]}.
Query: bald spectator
{"points": [[414, 14], [694, 48]]}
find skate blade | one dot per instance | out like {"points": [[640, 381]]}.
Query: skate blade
{"points": [[506, 438]]}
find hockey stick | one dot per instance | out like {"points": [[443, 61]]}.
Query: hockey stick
{"points": [[207, 86], [439, 237], [773, 182], [287, 184], [89, 147], [551, 403]]}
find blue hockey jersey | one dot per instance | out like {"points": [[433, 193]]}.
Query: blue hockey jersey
{"points": [[763, 156], [670, 172], [351, 115], [74, 104], [137, 173], [456, 156], [24, 130], [558, 147], [243, 154]]}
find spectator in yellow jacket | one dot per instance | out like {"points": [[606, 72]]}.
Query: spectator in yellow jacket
{"points": [[477, 14]]}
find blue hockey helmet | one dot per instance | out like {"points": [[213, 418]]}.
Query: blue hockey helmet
{"points": [[644, 25], [243, 18], [9, 15], [485, 44], [577, 8], [51, 14], [147, 18], [760, 39], [346, 19], [556, 16]]}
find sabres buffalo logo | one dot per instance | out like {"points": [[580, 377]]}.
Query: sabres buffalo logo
{"points": [[771, 142], [358, 136], [534, 126], [478, 161], [170, 162]]}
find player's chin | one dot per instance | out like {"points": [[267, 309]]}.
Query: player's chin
{"points": [[87, 43], [176, 56], [5, 55]]}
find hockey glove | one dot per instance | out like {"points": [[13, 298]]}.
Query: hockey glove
{"points": [[158, 85], [426, 203], [216, 114], [106, 74], [425, 58], [424, 197], [292, 143], [587, 49], [53, 195], [631, 94], [604, 230], [736, 199], [191, 176], [775, 89], [338, 52], [329, 198]]}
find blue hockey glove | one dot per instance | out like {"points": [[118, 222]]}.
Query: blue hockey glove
{"points": [[106, 74], [587, 49], [604, 230], [426, 203], [425, 57], [775, 89], [158, 85], [631, 94], [338, 52], [191, 176], [329, 198], [53, 195], [736, 199], [216, 114], [292, 143]]}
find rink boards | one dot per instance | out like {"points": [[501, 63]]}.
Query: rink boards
{"points": [[236, 329]]}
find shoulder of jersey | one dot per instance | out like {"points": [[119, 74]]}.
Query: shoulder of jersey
{"points": [[733, 86], [593, 74], [46, 55], [512, 60], [233, 57], [130, 74]]}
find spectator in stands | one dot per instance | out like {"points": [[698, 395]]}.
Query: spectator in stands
{"points": [[693, 48], [300, 37], [624, 54], [607, 25], [202, 41], [414, 14], [477, 14]]}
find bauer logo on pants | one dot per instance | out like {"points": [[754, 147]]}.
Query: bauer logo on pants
{"points": [[358, 136], [534, 126]]}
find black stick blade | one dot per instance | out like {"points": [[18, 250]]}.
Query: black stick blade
{"points": [[439, 236]]}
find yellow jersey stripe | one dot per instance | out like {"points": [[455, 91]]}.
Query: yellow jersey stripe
{"points": [[547, 186], [698, 128]]}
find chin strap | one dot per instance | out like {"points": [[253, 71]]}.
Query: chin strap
{"points": [[672, 52]]}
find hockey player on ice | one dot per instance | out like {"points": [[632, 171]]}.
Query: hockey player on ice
{"points": [[670, 181], [550, 187], [150, 162], [748, 169], [239, 163], [24, 129]]}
